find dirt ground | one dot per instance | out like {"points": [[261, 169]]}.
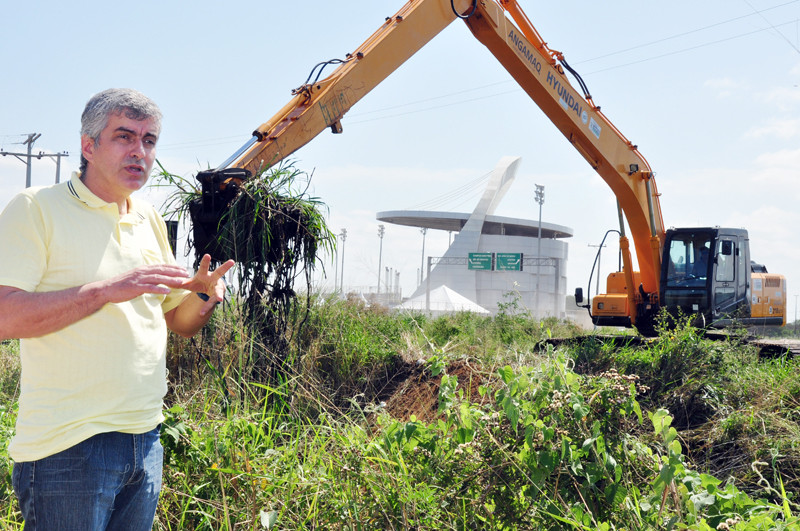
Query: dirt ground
{"points": [[417, 394]]}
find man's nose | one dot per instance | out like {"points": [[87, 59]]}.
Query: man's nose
{"points": [[137, 150]]}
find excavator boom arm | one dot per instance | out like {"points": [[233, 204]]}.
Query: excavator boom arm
{"points": [[604, 147], [318, 105]]}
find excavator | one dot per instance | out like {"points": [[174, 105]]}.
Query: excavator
{"points": [[705, 273]]}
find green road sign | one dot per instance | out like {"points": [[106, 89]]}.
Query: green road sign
{"points": [[480, 261], [509, 262]]}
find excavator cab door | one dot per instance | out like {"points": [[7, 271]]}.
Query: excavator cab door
{"points": [[730, 278]]}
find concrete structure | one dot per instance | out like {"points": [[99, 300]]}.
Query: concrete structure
{"points": [[483, 232]]}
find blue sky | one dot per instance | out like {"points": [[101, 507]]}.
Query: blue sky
{"points": [[709, 91]]}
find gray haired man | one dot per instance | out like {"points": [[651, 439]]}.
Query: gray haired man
{"points": [[91, 291]]}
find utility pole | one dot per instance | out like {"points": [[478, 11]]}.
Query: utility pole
{"points": [[381, 232], [343, 235], [795, 314], [26, 158], [540, 200]]}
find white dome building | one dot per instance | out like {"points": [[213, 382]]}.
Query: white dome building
{"points": [[493, 260]]}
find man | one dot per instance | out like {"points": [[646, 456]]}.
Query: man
{"points": [[89, 284], [700, 269]]}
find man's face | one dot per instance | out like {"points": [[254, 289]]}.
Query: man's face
{"points": [[120, 162]]}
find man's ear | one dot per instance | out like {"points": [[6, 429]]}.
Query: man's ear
{"points": [[87, 147]]}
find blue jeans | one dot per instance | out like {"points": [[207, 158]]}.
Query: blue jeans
{"points": [[109, 481]]}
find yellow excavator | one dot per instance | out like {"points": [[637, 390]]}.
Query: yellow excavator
{"points": [[702, 272]]}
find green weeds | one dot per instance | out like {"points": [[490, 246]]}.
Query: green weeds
{"points": [[540, 445]]}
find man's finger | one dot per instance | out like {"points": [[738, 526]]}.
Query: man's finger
{"points": [[205, 263], [224, 268], [172, 271]]}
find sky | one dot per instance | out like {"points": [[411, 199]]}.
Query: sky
{"points": [[709, 91]]}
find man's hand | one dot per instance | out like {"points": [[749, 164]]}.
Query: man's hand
{"points": [[157, 279], [211, 283], [193, 313]]}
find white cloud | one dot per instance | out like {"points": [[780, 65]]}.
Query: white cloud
{"points": [[784, 98], [724, 87], [780, 168], [783, 129], [774, 240], [785, 158]]}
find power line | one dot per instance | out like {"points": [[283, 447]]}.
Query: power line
{"points": [[684, 50], [451, 104], [201, 143], [685, 33], [217, 141], [452, 195], [615, 67], [760, 13], [427, 100], [27, 157]]}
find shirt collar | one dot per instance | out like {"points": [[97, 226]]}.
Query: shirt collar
{"points": [[81, 192]]}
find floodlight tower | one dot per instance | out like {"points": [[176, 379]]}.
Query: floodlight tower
{"points": [[539, 199], [424, 231], [381, 232], [343, 236]]}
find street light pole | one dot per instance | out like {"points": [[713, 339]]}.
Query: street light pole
{"points": [[540, 200], [335, 266], [381, 232], [343, 235], [423, 230]]}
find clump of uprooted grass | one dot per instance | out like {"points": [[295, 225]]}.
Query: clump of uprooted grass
{"points": [[274, 230]]}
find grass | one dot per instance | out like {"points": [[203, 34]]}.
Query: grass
{"points": [[677, 433], [9, 393]]}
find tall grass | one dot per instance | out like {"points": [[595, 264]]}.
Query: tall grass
{"points": [[590, 436], [9, 393]]}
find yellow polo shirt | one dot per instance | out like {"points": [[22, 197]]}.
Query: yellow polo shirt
{"points": [[106, 372]]}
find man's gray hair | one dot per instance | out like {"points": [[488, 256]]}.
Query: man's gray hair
{"points": [[132, 103]]}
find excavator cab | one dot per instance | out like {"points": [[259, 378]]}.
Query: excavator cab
{"points": [[706, 274]]}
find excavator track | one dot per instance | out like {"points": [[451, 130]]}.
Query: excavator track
{"points": [[776, 347], [767, 347]]}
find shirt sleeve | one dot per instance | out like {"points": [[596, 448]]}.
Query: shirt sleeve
{"points": [[175, 296], [23, 242]]}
